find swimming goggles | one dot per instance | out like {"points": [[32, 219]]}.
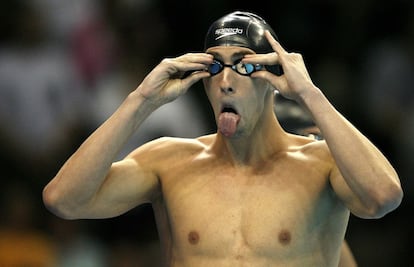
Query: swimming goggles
{"points": [[245, 69]]}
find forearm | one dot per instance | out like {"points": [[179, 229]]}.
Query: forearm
{"points": [[365, 169], [82, 175]]}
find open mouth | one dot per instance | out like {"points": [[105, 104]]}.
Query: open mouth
{"points": [[229, 109]]}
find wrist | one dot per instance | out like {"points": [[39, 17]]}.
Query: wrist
{"points": [[143, 102], [309, 95], [138, 107]]}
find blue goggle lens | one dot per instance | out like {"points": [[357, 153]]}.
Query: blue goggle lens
{"points": [[215, 67], [239, 67]]}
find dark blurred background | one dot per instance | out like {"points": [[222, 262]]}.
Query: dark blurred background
{"points": [[66, 65]]}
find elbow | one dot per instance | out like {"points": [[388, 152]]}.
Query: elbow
{"points": [[385, 202], [54, 202]]}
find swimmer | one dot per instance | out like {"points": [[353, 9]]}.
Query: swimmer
{"points": [[250, 194]]}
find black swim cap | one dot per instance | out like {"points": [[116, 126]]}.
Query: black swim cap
{"points": [[240, 29]]}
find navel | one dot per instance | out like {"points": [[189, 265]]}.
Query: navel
{"points": [[193, 237], [285, 237]]}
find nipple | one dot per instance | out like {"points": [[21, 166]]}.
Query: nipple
{"points": [[285, 237], [193, 237]]}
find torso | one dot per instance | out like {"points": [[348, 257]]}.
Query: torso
{"points": [[281, 212]]}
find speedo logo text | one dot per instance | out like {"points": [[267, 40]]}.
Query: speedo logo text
{"points": [[223, 32]]}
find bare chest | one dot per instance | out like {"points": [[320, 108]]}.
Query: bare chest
{"points": [[221, 211]]}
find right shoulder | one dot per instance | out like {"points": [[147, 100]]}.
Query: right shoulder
{"points": [[165, 148]]}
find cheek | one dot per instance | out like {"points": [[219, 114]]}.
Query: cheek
{"points": [[259, 94], [207, 90], [265, 91], [210, 96], [206, 82], [257, 101]]}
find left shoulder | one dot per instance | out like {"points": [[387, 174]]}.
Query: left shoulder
{"points": [[311, 148]]}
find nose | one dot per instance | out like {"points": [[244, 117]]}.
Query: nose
{"points": [[227, 90], [226, 81]]}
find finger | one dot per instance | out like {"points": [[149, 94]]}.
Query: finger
{"points": [[181, 70], [179, 87], [195, 77], [275, 44], [191, 62], [203, 58]]}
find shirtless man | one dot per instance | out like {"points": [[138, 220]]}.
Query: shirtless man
{"points": [[249, 195]]}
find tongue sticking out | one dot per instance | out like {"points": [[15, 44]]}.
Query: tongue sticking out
{"points": [[227, 123]]}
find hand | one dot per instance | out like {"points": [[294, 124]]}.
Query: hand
{"points": [[295, 79], [166, 81]]}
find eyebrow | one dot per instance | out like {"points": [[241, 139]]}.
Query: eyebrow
{"points": [[234, 56]]}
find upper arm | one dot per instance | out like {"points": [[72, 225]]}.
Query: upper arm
{"points": [[127, 185], [346, 258], [338, 184]]}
